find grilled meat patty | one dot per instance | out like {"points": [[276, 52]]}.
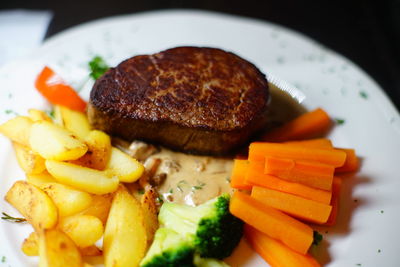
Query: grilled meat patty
{"points": [[193, 99]]}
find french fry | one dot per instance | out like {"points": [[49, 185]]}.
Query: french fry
{"points": [[29, 162], [56, 249], [125, 167], [85, 179], [99, 207], [53, 142], [68, 200], [38, 115], [84, 230], [150, 211], [125, 240], [40, 178], [34, 204], [30, 245], [17, 129], [75, 121]]}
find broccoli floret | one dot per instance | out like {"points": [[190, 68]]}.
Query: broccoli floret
{"points": [[169, 249], [208, 262], [210, 227]]}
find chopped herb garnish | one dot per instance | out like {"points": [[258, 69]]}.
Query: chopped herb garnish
{"points": [[317, 238], [339, 121], [141, 191], [159, 200], [180, 184], [382, 211], [3, 259], [171, 191], [12, 219], [199, 186], [10, 111], [379, 251], [358, 264], [98, 67], [51, 114], [363, 94]]}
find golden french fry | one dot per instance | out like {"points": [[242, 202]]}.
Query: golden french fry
{"points": [[29, 162], [30, 246], [86, 179], [38, 115], [150, 210], [124, 166], [53, 142], [125, 240], [68, 200], [99, 207], [84, 230], [34, 204], [56, 249], [17, 129], [99, 151], [75, 121], [40, 178]]}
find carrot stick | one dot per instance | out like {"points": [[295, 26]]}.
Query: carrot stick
{"points": [[255, 176], [337, 183], [54, 89], [314, 143], [309, 125], [293, 233], [351, 164], [309, 173], [274, 252], [296, 206], [238, 177], [258, 151]]}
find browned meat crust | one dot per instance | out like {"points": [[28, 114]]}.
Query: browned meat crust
{"points": [[201, 100]]}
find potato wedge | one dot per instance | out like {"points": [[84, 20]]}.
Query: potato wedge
{"points": [[34, 204], [56, 249], [86, 179], [84, 230], [38, 115], [17, 129], [40, 178], [68, 200], [75, 121], [124, 166], [53, 142], [100, 207], [29, 162], [30, 246], [150, 210], [125, 240], [99, 151]]}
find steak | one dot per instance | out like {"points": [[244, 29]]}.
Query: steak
{"points": [[193, 99]]}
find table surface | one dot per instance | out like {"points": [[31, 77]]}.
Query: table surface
{"points": [[366, 32]]}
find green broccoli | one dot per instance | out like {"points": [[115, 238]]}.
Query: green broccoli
{"points": [[169, 249], [210, 227]]}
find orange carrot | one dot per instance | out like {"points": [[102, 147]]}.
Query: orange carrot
{"points": [[314, 143], [351, 164], [296, 206], [293, 233], [337, 183], [258, 151], [309, 173], [238, 176], [255, 176], [274, 252], [54, 89], [309, 125]]}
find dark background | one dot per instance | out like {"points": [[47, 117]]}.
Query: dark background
{"points": [[367, 32]]}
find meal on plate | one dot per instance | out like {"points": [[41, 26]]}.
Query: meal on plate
{"points": [[170, 163]]}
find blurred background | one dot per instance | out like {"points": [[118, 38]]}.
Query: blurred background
{"points": [[367, 32]]}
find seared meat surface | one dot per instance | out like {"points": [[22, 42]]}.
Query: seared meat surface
{"points": [[200, 100]]}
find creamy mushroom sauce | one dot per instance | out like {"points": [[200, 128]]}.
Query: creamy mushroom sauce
{"points": [[192, 179]]}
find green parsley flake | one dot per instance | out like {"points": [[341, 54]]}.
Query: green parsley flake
{"points": [[97, 67], [317, 238], [382, 211], [363, 94], [339, 121], [3, 259]]}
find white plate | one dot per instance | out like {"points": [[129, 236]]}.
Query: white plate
{"points": [[367, 232]]}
